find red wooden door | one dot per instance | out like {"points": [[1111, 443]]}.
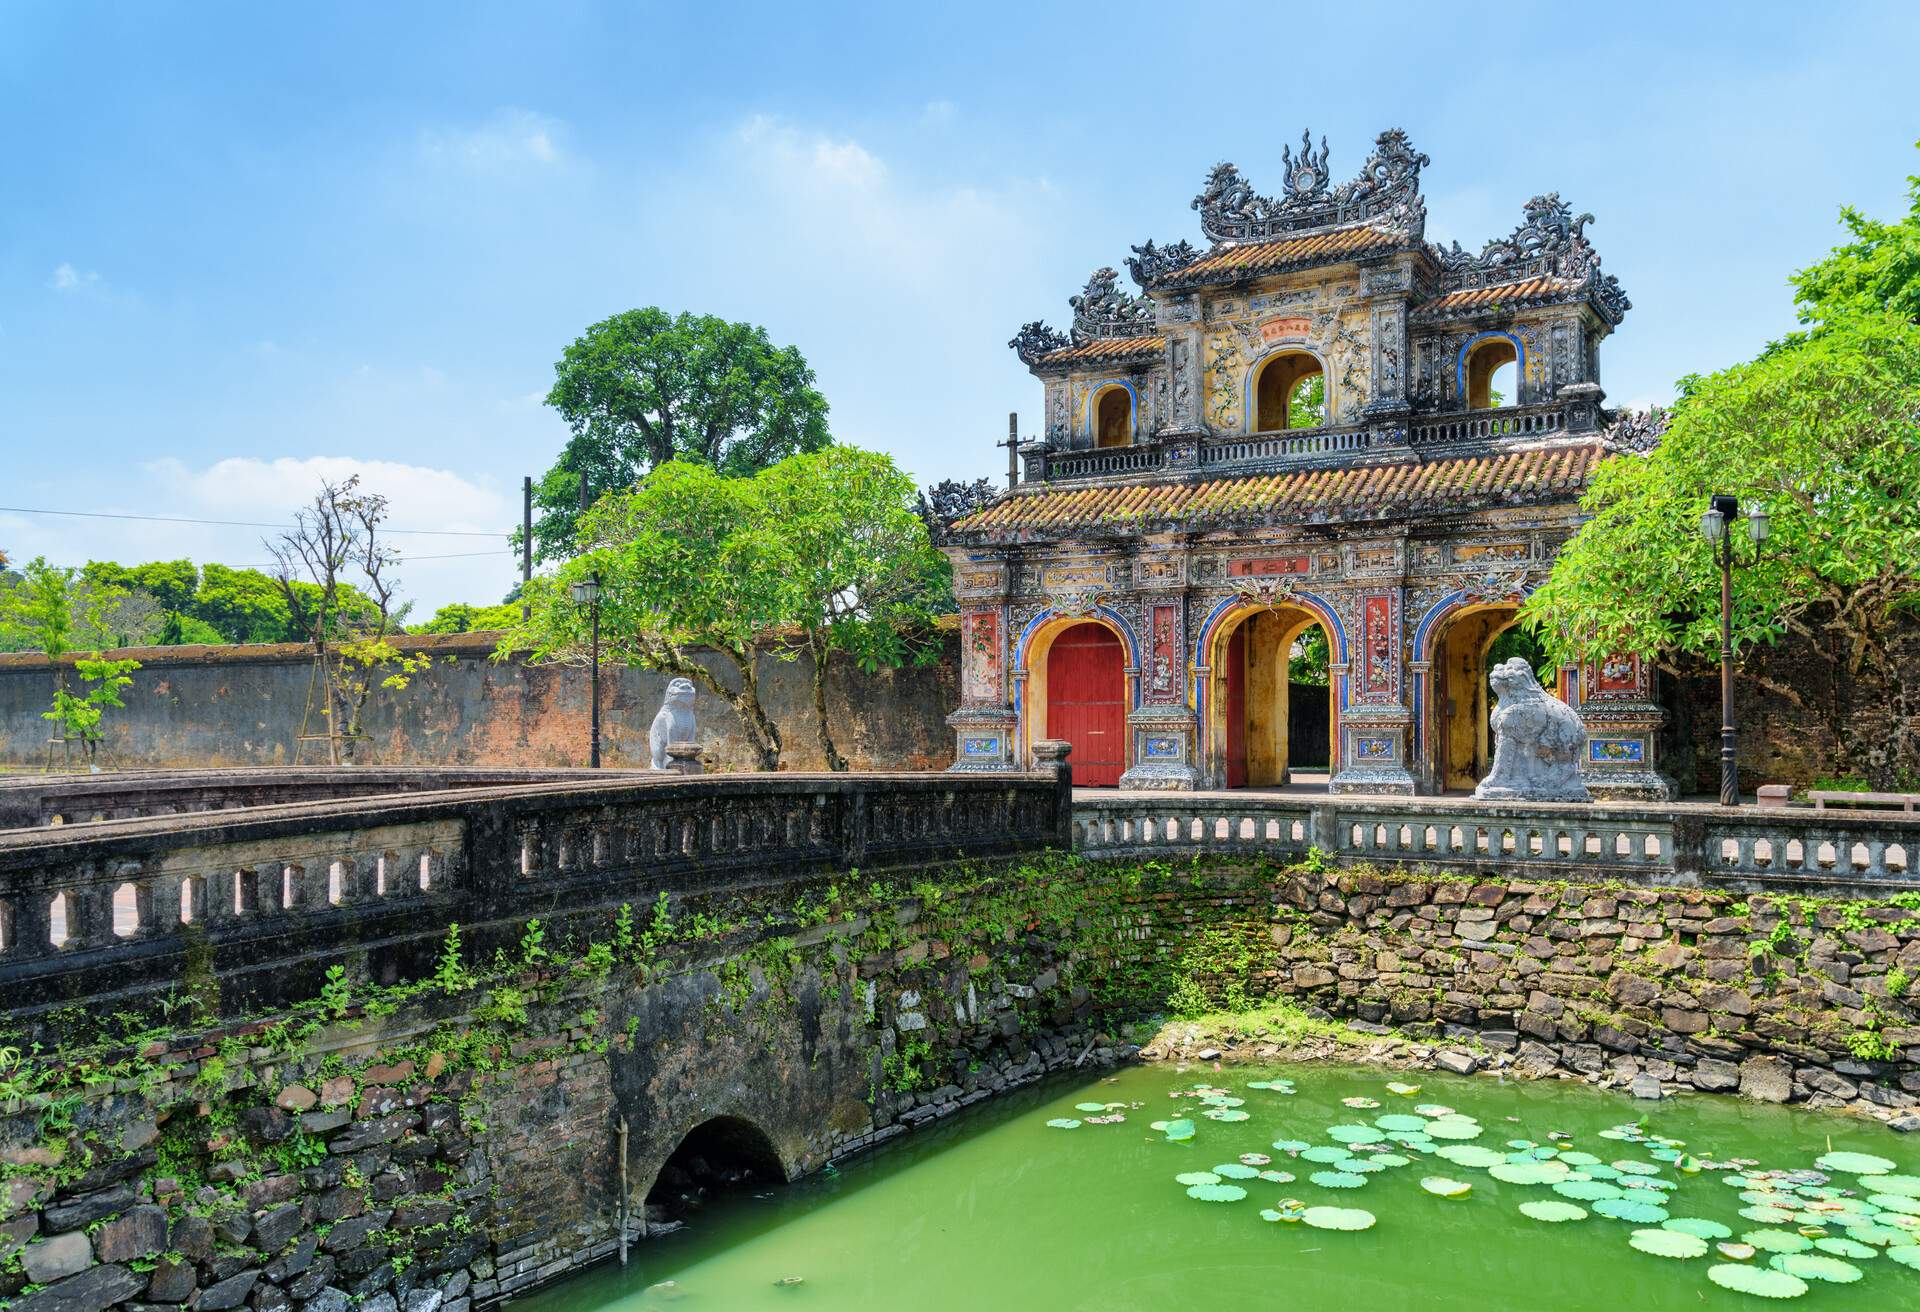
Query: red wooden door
{"points": [[1235, 708], [1086, 703]]}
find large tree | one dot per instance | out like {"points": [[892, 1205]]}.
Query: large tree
{"points": [[1823, 430], [646, 387], [823, 554], [861, 568]]}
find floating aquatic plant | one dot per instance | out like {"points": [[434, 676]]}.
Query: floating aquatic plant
{"points": [[1696, 1226], [1338, 1218], [1277, 1177], [1548, 1209], [1353, 1133], [1361, 1102], [1816, 1266], [1400, 1121], [1442, 1187], [1063, 1123], [1254, 1159], [1325, 1154], [1668, 1243], [1337, 1179], [1434, 1109], [1197, 1177], [1217, 1193], [1626, 1209], [1756, 1280], [1404, 1090], [1291, 1145], [1235, 1171], [1588, 1191], [1777, 1241], [1854, 1163], [1839, 1246], [1907, 1186], [1907, 1255]]}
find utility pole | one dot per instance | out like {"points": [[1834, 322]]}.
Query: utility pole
{"points": [[526, 546], [1012, 444]]}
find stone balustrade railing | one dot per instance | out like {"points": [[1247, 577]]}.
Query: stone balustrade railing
{"points": [[1672, 844], [27, 801], [264, 898]]}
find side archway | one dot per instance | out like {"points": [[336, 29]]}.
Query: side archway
{"points": [[1102, 686], [1453, 705]]}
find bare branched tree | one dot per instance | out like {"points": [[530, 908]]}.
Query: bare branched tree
{"points": [[336, 575]]}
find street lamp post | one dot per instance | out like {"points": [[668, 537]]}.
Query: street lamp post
{"points": [[1713, 526], [587, 593]]}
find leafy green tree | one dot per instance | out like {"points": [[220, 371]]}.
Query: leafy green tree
{"points": [[1307, 662], [171, 583], [1307, 405], [183, 630], [1823, 431], [242, 605], [684, 562], [79, 718], [1879, 270], [459, 617], [645, 387], [859, 565], [53, 610]]}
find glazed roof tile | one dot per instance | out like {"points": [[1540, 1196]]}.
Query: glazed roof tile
{"points": [[1468, 298], [1379, 490], [1270, 256], [1104, 348]]}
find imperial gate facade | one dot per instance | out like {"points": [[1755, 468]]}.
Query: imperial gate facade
{"points": [[1297, 429]]}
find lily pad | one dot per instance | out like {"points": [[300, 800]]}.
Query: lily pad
{"points": [[1630, 1167], [1389, 1159], [1338, 1218], [1223, 1100], [1580, 1159], [1434, 1109], [1778, 1241], [1448, 1128], [1277, 1177], [1354, 1134], [1223, 1114], [1197, 1177], [1361, 1102], [1626, 1209], [1696, 1226], [1470, 1155], [1528, 1172], [1907, 1255], [1254, 1159], [1291, 1145], [1667, 1243], [1325, 1154], [1217, 1193], [1400, 1121], [1896, 1203], [1589, 1191], [1756, 1280], [1404, 1090], [1739, 1252], [1063, 1123], [1337, 1179], [1838, 1246], [1907, 1186], [1815, 1266], [1441, 1187], [1179, 1130], [1883, 1235], [1550, 1209], [1089, 1106], [1854, 1163], [1768, 1215], [1234, 1171]]}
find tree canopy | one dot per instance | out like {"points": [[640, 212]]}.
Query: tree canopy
{"points": [[823, 553], [1823, 431], [645, 387]]}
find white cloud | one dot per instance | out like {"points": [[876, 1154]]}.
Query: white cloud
{"points": [[66, 278], [509, 139], [939, 113]]}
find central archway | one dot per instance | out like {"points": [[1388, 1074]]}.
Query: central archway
{"points": [[1086, 702], [1285, 395], [1260, 706]]}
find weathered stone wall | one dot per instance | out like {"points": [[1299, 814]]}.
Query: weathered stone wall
{"points": [[1781, 740], [226, 706], [427, 1148], [1779, 998]]}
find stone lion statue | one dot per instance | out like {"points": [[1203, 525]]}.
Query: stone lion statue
{"points": [[1538, 741], [674, 723]]}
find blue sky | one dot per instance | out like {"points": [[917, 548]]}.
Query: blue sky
{"points": [[242, 245]]}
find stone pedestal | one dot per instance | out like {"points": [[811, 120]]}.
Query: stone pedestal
{"points": [[1164, 749], [684, 758], [983, 739], [1615, 698], [1374, 748]]}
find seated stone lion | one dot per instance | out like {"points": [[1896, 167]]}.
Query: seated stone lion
{"points": [[1538, 741]]}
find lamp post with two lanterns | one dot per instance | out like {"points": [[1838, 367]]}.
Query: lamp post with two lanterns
{"points": [[1714, 527]]}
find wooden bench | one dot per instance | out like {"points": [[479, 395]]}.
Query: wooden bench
{"points": [[1822, 798]]}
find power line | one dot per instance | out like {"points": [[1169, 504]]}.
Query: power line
{"points": [[245, 523]]}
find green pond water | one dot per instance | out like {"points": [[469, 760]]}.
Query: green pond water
{"points": [[996, 1208]]}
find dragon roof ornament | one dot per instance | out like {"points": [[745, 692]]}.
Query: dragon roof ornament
{"points": [[1551, 242], [1102, 310], [1035, 340], [1148, 264], [1635, 432], [1386, 192]]}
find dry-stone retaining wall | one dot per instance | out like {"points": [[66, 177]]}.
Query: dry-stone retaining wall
{"points": [[440, 1147]]}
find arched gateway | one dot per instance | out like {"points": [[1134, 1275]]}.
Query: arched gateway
{"points": [[1349, 453]]}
